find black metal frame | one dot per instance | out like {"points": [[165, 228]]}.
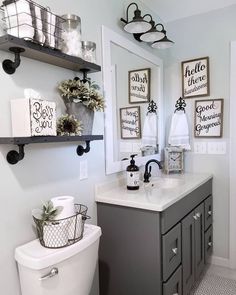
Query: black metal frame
{"points": [[180, 105], [152, 107]]}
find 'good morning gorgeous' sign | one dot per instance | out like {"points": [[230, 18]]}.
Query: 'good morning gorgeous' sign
{"points": [[195, 77], [208, 118], [130, 122]]}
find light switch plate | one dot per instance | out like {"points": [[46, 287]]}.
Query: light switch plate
{"points": [[200, 147], [216, 148], [83, 169]]}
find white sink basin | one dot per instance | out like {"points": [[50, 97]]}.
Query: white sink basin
{"points": [[164, 183]]}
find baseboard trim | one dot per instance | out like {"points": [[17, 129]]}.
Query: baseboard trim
{"points": [[220, 261]]}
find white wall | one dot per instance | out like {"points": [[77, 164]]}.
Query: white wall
{"points": [[48, 169], [198, 36]]}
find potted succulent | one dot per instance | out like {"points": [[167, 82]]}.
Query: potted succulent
{"points": [[82, 99], [52, 233]]}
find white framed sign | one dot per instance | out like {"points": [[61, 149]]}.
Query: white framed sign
{"points": [[139, 85], [130, 124], [33, 117], [208, 118], [195, 77]]}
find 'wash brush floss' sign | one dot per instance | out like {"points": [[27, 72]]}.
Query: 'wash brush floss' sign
{"points": [[195, 77], [208, 118]]}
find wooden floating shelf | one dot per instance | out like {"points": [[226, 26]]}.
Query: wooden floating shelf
{"points": [[14, 157], [47, 55]]}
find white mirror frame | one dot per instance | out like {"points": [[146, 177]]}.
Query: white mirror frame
{"points": [[108, 37]]}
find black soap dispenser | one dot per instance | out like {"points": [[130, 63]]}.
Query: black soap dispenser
{"points": [[132, 175]]}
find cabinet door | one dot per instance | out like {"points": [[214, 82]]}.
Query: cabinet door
{"points": [[188, 242], [208, 243], [208, 212], [171, 245], [199, 240], [174, 285]]}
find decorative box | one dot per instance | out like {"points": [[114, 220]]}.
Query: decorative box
{"points": [[33, 117]]}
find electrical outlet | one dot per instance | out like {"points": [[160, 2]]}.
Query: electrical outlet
{"points": [[200, 147], [216, 148], [83, 169]]}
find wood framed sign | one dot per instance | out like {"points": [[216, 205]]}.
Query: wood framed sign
{"points": [[130, 124], [195, 77], [139, 85], [208, 118]]}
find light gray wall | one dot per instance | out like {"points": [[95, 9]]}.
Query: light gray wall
{"points": [[48, 169], [198, 36]]}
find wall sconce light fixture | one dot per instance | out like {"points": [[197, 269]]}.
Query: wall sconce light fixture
{"points": [[146, 31]]}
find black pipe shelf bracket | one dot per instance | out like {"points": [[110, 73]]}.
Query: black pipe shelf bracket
{"points": [[10, 66], [81, 150], [13, 156]]}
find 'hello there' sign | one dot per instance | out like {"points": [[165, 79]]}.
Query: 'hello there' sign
{"points": [[195, 77], [139, 86]]}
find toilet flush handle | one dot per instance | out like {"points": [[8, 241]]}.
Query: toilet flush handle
{"points": [[53, 272]]}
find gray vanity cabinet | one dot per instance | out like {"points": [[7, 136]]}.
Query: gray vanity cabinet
{"points": [[193, 247], [155, 253]]}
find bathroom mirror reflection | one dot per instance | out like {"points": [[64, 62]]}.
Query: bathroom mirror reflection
{"points": [[132, 78]]}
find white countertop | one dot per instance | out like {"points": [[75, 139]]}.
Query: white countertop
{"points": [[158, 195]]}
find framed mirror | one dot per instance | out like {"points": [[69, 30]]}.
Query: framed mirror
{"points": [[132, 78]]}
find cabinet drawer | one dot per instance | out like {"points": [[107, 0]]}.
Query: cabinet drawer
{"points": [[174, 285], [208, 212], [171, 245], [208, 243]]}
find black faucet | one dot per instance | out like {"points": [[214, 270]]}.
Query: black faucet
{"points": [[147, 173]]}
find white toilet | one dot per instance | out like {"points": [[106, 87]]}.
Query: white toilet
{"points": [[65, 271]]}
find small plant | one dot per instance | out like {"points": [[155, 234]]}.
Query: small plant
{"points": [[68, 125], [82, 91], [48, 212]]}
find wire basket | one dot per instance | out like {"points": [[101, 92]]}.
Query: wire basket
{"points": [[31, 21], [61, 233]]}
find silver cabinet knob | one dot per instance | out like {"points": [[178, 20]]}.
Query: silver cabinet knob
{"points": [[198, 215], [210, 244], [175, 251], [209, 213], [195, 217], [53, 272]]}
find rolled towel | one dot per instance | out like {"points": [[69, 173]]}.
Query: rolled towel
{"points": [[19, 19], [179, 131], [149, 137]]}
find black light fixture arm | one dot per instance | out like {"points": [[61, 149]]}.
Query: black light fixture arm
{"points": [[13, 157], [127, 12], [81, 150], [162, 28], [10, 66], [148, 14]]}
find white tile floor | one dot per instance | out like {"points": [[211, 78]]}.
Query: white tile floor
{"points": [[222, 272], [216, 281]]}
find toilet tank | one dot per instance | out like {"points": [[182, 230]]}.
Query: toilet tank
{"points": [[72, 268]]}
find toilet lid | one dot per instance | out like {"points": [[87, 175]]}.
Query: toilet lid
{"points": [[34, 256]]}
